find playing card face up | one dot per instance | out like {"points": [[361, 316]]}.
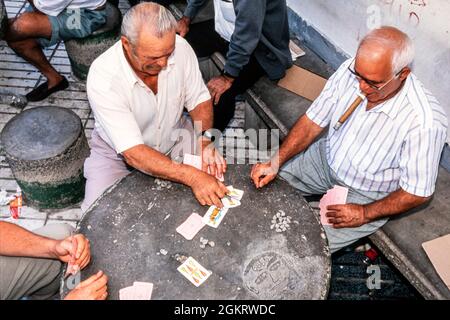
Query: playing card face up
{"points": [[235, 193], [191, 226], [194, 272], [214, 216], [229, 202], [337, 195]]}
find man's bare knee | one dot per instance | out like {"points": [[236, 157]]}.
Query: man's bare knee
{"points": [[28, 25]]}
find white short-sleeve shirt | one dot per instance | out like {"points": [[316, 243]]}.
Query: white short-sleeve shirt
{"points": [[397, 144], [55, 7], [127, 113]]}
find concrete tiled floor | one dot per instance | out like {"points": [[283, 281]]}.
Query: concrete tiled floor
{"points": [[20, 77]]}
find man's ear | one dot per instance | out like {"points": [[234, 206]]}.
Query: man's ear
{"points": [[126, 44], [405, 73]]}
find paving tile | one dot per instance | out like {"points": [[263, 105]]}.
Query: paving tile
{"points": [[29, 224]]}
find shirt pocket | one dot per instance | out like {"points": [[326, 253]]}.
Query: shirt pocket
{"points": [[227, 9]]}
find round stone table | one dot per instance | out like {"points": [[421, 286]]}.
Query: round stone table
{"points": [[136, 218]]}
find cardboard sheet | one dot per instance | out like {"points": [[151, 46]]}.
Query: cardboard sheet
{"points": [[438, 251]]}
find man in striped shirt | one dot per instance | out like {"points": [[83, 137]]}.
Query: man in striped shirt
{"points": [[386, 153]]}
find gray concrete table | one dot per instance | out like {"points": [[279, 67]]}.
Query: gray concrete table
{"points": [[137, 218]]}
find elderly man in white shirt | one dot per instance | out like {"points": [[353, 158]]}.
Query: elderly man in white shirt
{"points": [[386, 153], [138, 90], [43, 24]]}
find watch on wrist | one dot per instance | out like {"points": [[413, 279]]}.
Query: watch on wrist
{"points": [[208, 135]]}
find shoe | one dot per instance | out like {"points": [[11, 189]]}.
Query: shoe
{"points": [[42, 92]]}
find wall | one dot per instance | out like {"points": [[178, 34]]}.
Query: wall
{"points": [[344, 22]]}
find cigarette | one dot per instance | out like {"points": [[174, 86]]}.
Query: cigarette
{"points": [[360, 98]]}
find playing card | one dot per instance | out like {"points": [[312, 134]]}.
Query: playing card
{"points": [[72, 269], [142, 290], [196, 162], [191, 226], [235, 193], [194, 271], [193, 160], [127, 293], [337, 195], [214, 216], [229, 202]]}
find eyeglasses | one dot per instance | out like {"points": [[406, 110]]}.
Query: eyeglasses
{"points": [[374, 85]]}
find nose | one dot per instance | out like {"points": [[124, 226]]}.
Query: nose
{"points": [[163, 62], [364, 87]]}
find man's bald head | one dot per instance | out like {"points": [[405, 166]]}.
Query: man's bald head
{"points": [[387, 45]]}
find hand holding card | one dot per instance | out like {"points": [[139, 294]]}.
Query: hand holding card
{"points": [[337, 195]]}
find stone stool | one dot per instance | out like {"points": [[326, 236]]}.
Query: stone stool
{"points": [[46, 148], [3, 19], [82, 52]]}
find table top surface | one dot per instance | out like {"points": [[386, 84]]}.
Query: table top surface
{"points": [[137, 217]]}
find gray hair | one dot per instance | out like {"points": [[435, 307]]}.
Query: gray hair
{"points": [[401, 45], [149, 16]]}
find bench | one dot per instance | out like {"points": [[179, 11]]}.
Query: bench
{"points": [[400, 240]]}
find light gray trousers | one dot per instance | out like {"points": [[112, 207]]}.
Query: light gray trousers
{"points": [[33, 277], [310, 173]]}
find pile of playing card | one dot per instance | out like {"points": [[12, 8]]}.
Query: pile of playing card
{"points": [[138, 291], [215, 215]]}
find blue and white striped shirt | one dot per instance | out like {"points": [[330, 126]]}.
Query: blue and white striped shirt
{"points": [[395, 145]]}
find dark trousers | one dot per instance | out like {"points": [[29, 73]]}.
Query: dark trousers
{"points": [[205, 41]]}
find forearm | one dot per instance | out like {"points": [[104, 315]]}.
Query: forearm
{"points": [[202, 116], [302, 134], [15, 241], [156, 164], [395, 203]]}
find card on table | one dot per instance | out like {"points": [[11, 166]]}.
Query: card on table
{"points": [[194, 271], [214, 216], [143, 290], [126, 293], [191, 226], [235, 193], [138, 291], [337, 195], [229, 202]]}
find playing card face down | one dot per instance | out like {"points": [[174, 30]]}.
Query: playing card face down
{"points": [[196, 162], [337, 195], [191, 226], [194, 272], [214, 216], [138, 291]]}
